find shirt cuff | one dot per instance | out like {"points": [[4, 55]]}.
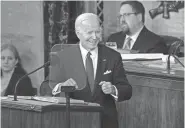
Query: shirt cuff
{"points": [[56, 90], [115, 96]]}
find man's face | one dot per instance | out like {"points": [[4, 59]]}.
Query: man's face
{"points": [[128, 19], [90, 34]]}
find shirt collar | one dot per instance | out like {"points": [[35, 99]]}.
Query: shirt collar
{"points": [[134, 37], [94, 53]]}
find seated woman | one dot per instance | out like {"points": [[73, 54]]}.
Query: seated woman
{"points": [[12, 71]]}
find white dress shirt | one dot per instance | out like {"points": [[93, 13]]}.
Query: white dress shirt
{"points": [[133, 37], [94, 57]]}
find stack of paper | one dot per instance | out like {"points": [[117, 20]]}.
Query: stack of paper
{"points": [[142, 56], [58, 100], [22, 97], [148, 56]]}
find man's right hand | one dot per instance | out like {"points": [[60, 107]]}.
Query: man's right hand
{"points": [[69, 82]]}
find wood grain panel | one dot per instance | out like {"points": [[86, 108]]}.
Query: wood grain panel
{"points": [[152, 108], [18, 115], [78, 120], [157, 100], [146, 81]]}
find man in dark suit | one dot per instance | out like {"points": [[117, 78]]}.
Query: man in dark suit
{"points": [[131, 18], [98, 77]]}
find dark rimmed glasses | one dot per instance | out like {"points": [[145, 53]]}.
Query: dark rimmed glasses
{"points": [[125, 15]]}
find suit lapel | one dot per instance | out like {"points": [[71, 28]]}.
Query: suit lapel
{"points": [[122, 40], [101, 65], [140, 41]]}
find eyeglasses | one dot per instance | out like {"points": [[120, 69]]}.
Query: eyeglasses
{"points": [[125, 15]]}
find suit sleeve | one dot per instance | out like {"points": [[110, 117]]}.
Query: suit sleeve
{"points": [[120, 81], [159, 47]]}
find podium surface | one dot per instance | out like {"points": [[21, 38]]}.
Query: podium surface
{"points": [[37, 114]]}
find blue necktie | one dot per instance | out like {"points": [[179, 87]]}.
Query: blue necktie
{"points": [[90, 71]]}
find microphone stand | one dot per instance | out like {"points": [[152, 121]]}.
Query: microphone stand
{"points": [[178, 61], [15, 91], [168, 62], [67, 90], [177, 44]]}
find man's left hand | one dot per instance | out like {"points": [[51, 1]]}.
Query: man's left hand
{"points": [[107, 88]]}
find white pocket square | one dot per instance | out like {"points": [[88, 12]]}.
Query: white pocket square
{"points": [[107, 72]]}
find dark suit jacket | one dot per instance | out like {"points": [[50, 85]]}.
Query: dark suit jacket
{"points": [[24, 87], [71, 66], [147, 42]]}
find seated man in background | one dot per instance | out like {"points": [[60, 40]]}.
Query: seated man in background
{"points": [[93, 68], [12, 71], [134, 35]]}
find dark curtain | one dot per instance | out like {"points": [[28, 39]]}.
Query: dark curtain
{"points": [[59, 19]]}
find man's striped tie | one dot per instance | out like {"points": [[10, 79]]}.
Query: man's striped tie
{"points": [[127, 44]]}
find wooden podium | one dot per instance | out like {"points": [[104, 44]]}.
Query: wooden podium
{"points": [[157, 96], [38, 114]]}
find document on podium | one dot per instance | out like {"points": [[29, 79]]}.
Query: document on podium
{"points": [[57, 100], [142, 57], [163, 65]]}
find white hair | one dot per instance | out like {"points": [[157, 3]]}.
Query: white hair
{"points": [[84, 17]]}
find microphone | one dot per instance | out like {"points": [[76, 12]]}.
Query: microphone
{"points": [[54, 60], [15, 90], [173, 51]]}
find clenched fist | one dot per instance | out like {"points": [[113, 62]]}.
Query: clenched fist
{"points": [[107, 88]]}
